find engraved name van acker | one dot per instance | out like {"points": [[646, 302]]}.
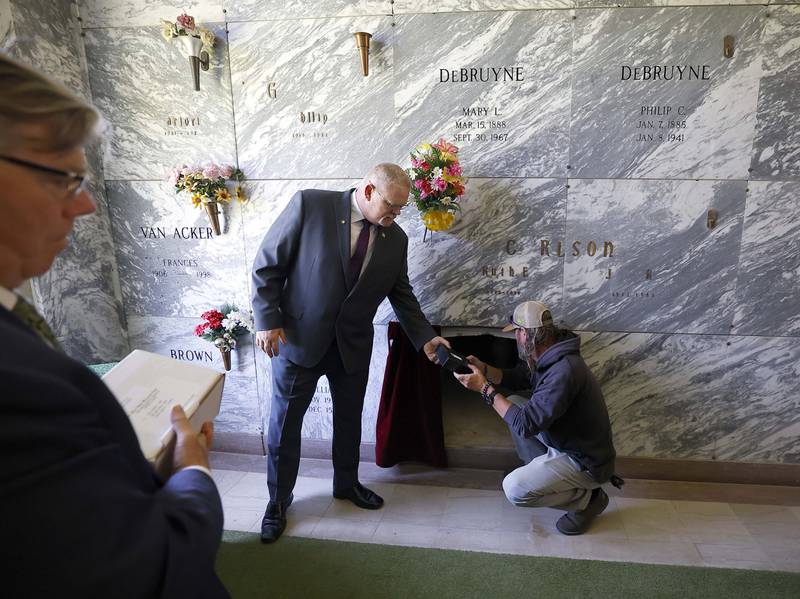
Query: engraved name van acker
{"points": [[177, 233]]}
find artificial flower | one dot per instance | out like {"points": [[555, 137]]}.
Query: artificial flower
{"points": [[207, 183], [208, 39], [168, 30], [240, 197], [186, 21], [224, 327]]}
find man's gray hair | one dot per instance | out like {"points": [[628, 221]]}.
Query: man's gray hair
{"points": [[30, 98], [386, 175]]}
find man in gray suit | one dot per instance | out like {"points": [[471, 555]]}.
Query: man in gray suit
{"points": [[320, 274]]}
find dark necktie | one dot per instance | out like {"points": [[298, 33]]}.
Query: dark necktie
{"points": [[28, 314], [357, 259]]}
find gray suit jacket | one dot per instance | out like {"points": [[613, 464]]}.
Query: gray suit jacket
{"points": [[300, 282]]}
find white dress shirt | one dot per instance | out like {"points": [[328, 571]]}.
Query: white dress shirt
{"points": [[356, 216], [8, 299]]}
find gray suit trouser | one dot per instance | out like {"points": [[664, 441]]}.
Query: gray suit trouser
{"points": [[549, 478], [293, 388]]}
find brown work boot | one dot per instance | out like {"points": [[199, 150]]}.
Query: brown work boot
{"points": [[577, 523]]}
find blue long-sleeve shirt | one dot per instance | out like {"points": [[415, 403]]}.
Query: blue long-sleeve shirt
{"points": [[567, 409]]}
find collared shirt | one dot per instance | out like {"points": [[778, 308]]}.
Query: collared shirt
{"points": [[8, 299], [356, 216]]}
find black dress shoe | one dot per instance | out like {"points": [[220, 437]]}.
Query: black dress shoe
{"points": [[577, 523], [361, 496], [274, 521]]}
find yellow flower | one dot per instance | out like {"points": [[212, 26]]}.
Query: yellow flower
{"points": [[451, 178], [197, 200], [223, 195], [447, 156], [424, 148], [240, 197]]}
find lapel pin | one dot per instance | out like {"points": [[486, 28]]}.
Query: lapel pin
{"points": [[342, 222]]}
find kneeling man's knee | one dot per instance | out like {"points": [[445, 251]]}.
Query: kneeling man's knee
{"points": [[518, 493]]}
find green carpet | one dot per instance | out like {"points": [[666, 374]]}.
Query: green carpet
{"points": [[311, 568]]}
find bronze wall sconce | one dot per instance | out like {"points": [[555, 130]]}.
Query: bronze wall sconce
{"points": [[362, 43]]}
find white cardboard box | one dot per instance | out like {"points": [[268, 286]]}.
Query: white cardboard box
{"points": [[147, 385]]}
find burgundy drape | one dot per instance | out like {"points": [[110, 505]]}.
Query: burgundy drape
{"points": [[410, 415]]}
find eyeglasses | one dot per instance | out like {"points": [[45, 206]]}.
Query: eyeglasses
{"points": [[387, 202], [75, 183]]}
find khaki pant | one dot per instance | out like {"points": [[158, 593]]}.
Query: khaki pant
{"points": [[549, 478]]}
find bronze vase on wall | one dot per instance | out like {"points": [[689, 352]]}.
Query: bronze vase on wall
{"points": [[212, 209], [226, 358]]}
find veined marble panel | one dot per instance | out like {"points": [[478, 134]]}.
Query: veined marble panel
{"points": [[776, 151], [659, 390], [443, 6], [47, 36], [491, 260], [657, 3], [303, 108], [768, 285], [517, 126], [700, 397], [130, 13], [6, 26], [268, 10], [171, 264], [759, 421], [81, 279], [657, 228], [318, 422], [174, 337], [78, 295], [143, 86], [659, 129]]}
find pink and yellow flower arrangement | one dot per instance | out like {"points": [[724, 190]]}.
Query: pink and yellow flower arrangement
{"points": [[436, 183], [207, 183]]}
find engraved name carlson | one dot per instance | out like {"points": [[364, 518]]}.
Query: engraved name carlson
{"points": [[482, 75], [591, 248], [545, 247], [659, 72], [177, 233]]}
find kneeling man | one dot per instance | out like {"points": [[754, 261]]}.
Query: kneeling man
{"points": [[562, 433]]}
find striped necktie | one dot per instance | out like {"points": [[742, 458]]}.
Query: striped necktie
{"points": [[28, 314]]}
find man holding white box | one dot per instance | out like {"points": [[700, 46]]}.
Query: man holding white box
{"points": [[84, 514]]}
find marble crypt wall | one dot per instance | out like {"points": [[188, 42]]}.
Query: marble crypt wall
{"points": [[593, 183]]}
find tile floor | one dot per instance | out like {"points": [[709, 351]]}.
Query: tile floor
{"points": [[661, 531]]}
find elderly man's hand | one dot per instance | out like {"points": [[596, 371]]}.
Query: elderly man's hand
{"points": [[268, 341], [430, 348], [474, 381]]}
